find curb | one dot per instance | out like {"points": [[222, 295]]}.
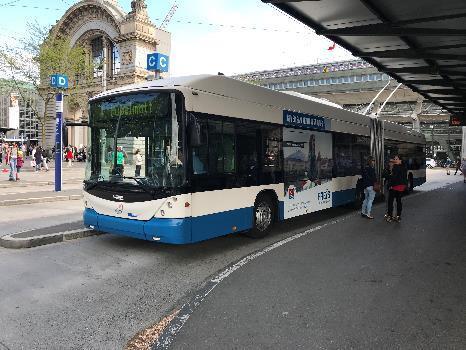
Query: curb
{"points": [[10, 242], [11, 202], [38, 183]]}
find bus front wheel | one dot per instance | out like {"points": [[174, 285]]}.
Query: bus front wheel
{"points": [[264, 214]]}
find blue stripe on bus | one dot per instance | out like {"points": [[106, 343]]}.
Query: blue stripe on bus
{"points": [[220, 224], [343, 197], [174, 231]]}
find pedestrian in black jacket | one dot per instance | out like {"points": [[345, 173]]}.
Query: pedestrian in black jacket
{"points": [[368, 181], [397, 186]]}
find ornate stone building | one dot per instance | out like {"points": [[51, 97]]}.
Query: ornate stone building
{"points": [[116, 45]]}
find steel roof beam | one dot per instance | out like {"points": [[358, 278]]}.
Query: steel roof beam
{"points": [[413, 53], [431, 19], [442, 91], [423, 70], [432, 82], [284, 1], [446, 99], [384, 29]]}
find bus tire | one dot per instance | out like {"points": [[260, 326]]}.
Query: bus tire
{"points": [[263, 216]]}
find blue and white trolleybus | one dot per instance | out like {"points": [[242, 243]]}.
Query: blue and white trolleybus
{"points": [[186, 159]]}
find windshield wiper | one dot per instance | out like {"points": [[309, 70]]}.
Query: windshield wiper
{"points": [[147, 188], [89, 184]]}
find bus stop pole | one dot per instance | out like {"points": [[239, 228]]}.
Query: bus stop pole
{"points": [[58, 141]]}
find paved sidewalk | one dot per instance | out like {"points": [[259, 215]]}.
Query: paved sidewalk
{"points": [[352, 284], [39, 187]]}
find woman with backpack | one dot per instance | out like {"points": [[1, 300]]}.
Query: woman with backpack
{"points": [[396, 186]]}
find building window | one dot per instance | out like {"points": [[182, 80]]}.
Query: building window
{"points": [[97, 56], [116, 63]]}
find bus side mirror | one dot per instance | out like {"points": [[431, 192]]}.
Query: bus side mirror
{"points": [[194, 131]]}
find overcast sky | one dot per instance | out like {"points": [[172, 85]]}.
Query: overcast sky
{"points": [[204, 46]]}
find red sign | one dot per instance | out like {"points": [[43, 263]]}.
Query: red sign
{"points": [[457, 120]]}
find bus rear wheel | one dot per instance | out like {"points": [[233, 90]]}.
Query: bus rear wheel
{"points": [[264, 214]]}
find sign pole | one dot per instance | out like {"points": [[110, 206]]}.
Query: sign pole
{"points": [[58, 141]]}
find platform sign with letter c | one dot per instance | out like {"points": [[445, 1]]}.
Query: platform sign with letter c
{"points": [[158, 62]]}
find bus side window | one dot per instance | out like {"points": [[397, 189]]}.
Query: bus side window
{"points": [[271, 158], [215, 147], [246, 138], [200, 153], [229, 149]]}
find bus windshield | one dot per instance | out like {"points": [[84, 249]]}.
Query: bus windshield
{"points": [[136, 139]]}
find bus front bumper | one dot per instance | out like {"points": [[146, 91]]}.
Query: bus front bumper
{"points": [[173, 231]]}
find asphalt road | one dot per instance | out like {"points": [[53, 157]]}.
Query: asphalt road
{"points": [[355, 284], [96, 293]]}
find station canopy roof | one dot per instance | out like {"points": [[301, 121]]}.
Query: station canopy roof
{"points": [[420, 43]]}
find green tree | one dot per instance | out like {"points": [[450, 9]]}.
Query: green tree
{"points": [[40, 54]]}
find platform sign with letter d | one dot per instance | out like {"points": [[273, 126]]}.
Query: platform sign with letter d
{"points": [[157, 62], [59, 81]]}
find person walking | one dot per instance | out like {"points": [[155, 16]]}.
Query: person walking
{"points": [[45, 159], [463, 169], [19, 163], [38, 158], [138, 162], [69, 157], [447, 165], [369, 180], [397, 186], [458, 165], [13, 161]]}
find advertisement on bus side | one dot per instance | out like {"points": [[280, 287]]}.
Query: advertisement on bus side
{"points": [[308, 167]]}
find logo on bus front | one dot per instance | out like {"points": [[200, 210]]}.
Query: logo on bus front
{"points": [[119, 209]]}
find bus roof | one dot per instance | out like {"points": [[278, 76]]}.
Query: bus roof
{"points": [[229, 88]]}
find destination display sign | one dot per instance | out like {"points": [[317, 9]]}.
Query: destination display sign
{"points": [[137, 106], [305, 121]]}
